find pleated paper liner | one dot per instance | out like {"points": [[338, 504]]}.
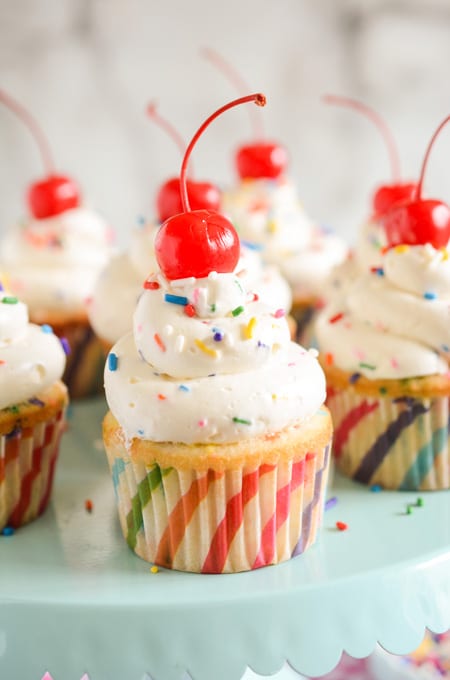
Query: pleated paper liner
{"points": [[232, 519], [30, 435]]}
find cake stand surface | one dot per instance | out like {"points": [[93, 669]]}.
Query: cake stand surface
{"points": [[75, 599]]}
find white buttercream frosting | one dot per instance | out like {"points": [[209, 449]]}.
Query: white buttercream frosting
{"points": [[393, 322], [52, 263], [31, 357], [269, 213], [222, 372]]}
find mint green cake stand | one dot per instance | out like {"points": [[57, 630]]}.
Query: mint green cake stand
{"points": [[75, 599]]}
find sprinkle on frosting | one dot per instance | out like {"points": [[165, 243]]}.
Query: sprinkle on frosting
{"points": [[242, 421], [10, 300], [176, 299], [189, 310], [46, 328], [249, 328], [204, 348], [112, 361], [336, 317], [237, 310], [159, 342], [429, 295], [151, 285]]}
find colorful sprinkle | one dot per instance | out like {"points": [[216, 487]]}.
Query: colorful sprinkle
{"points": [[409, 509], [207, 350], [370, 367], [184, 388], [354, 378], [218, 336], [242, 421], [331, 502], [237, 310], [429, 295], [279, 313], [376, 488], [249, 328], [113, 361], [189, 310], [176, 299], [329, 359], [159, 342], [212, 308], [419, 502], [383, 390], [88, 504], [151, 285], [342, 526], [401, 248], [251, 246], [336, 318], [202, 423], [45, 328], [162, 397], [7, 531], [65, 345], [379, 271], [36, 402], [10, 300], [154, 569], [444, 252]]}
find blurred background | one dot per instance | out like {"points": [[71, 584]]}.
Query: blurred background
{"points": [[87, 68]]}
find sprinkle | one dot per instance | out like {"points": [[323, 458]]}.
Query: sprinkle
{"points": [[2, 362], [354, 378], [212, 307], [179, 343], [336, 317], [1, 286], [383, 390], [329, 359], [342, 526], [45, 328], [159, 342], [419, 502], [429, 295], [7, 531], [272, 226], [444, 252], [154, 569], [370, 367], [376, 488], [88, 504], [242, 421], [251, 246], [140, 219], [151, 285], [249, 328], [161, 397], [279, 313], [237, 310], [176, 299], [379, 271], [189, 310], [140, 433], [403, 248], [331, 502], [445, 348], [113, 360], [394, 362], [218, 336], [36, 402], [409, 509], [65, 345], [255, 297], [202, 423], [184, 388], [10, 300], [207, 350]]}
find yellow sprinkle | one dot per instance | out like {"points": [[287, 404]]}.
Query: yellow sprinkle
{"points": [[444, 252], [274, 397], [154, 569], [401, 249], [201, 345], [249, 328], [272, 226]]}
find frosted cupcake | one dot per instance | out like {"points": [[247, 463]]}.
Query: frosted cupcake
{"points": [[217, 437], [32, 405], [52, 260]]}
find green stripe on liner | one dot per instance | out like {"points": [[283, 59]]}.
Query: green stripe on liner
{"points": [[145, 488], [425, 460]]}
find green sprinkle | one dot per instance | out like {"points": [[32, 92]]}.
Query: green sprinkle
{"points": [[242, 421], [383, 390], [370, 367], [408, 510], [9, 300], [419, 502], [13, 409], [213, 307], [237, 310]]}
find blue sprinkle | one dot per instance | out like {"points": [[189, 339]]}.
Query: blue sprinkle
{"points": [[251, 246], [218, 337], [140, 433], [379, 271], [7, 531], [330, 503], [141, 220], [429, 295], [446, 348], [354, 378], [46, 328], [112, 361], [65, 345], [376, 488], [36, 402], [184, 388], [176, 299]]}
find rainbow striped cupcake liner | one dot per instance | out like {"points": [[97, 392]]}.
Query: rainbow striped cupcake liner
{"points": [[85, 362], [27, 465], [220, 522], [398, 443]]}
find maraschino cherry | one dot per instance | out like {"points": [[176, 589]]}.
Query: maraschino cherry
{"points": [[202, 195], [195, 243], [261, 159], [55, 193], [418, 221], [386, 195]]}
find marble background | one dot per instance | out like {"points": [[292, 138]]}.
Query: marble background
{"points": [[87, 68]]}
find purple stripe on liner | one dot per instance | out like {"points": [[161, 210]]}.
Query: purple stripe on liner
{"points": [[379, 450]]}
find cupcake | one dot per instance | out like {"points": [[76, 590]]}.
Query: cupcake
{"points": [[431, 661], [51, 260], [32, 406], [217, 437]]}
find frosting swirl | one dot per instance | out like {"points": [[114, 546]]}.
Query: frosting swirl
{"points": [[209, 363], [31, 357]]}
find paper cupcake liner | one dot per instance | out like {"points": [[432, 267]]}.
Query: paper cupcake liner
{"points": [[220, 522], [303, 314], [398, 443], [27, 464], [85, 362]]}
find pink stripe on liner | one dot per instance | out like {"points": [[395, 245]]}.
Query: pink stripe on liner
{"points": [[268, 537], [348, 423], [228, 527]]}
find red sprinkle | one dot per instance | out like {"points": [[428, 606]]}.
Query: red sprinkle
{"points": [[342, 526], [151, 285], [161, 397], [88, 504], [189, 310], [336, 317], [159, 342], [329, 359]]}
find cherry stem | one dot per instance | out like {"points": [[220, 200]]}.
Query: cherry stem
{"points": [[380, 124], [33, 127], [164, 124], [238, 82], [418, 194], [258, 98]]}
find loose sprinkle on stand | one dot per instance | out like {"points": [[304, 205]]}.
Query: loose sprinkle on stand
{"points": [[376, 488], [159, 342], [46, 328], [113, 360], [249, 328], [237, 310], [241, 421], [419, 502], [65, 345], [154, 569], [341, 526], [176, 299], [88, 505], [331, 503], [207, 350], [7, 531], [336, 318], [151, 285]]}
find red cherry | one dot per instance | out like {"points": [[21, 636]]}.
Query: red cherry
{"points": [[389, 195], [263, 160], [56, 193], [195, 243], [202, 196], [53, 196], [418, 221]]}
